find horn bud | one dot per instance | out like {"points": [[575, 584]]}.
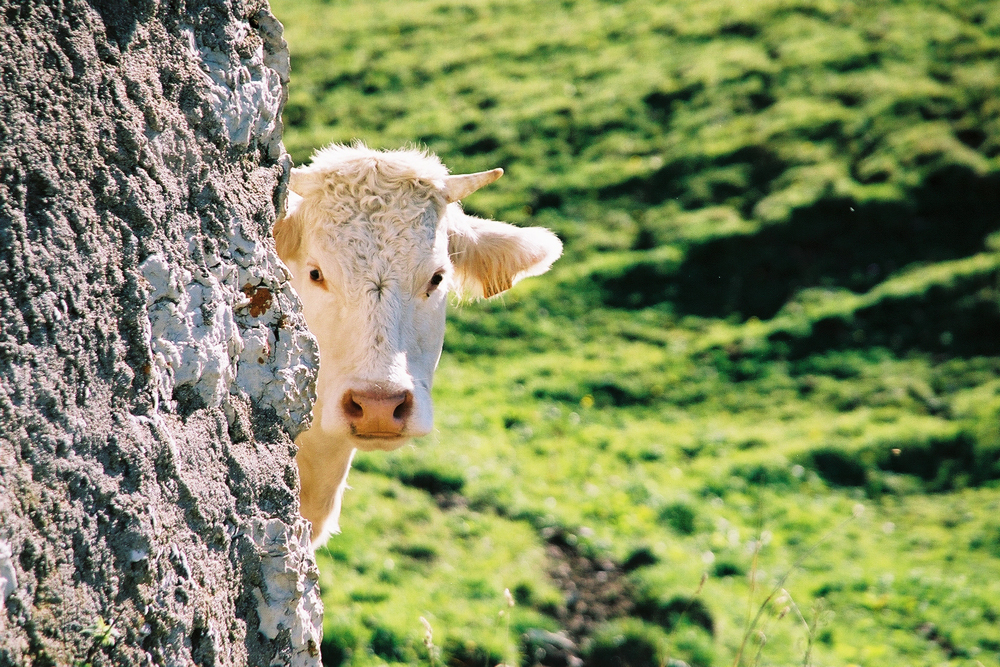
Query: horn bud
{"points": [[461, 186]]}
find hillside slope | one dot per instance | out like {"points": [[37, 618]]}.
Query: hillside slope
{"points": [[779, 306]]}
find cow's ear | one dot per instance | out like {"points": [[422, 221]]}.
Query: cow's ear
{"points": [[288, 230], [490, 256], [302, 183], [306, 181]]}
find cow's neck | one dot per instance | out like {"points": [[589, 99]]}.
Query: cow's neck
{"points": [[323, 466]]}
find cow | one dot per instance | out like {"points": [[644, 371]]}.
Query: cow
{"points": [[374, 241]]}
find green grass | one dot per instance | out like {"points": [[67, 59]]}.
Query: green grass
{"points": [[780, 300]]}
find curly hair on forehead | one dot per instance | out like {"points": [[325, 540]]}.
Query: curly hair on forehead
{"points": [[387, 187], [359, 173]]}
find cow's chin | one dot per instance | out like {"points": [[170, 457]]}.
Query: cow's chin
{"points": [[378, 442]]}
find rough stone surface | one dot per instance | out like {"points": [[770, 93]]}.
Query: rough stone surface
{"points": [[154, 366]]}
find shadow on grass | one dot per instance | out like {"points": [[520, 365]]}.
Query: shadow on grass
{"points": [[833, 243], [960, 319], [940, 464]]}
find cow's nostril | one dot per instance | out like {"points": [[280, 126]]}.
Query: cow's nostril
{"points": [[352, 408], [403, 410]]}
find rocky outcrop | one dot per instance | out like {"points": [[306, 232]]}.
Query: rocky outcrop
{"points": [[154, 366]]}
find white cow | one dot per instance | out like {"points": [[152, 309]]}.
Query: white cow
{"points": [[374, 241]]}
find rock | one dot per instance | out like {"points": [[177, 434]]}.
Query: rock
{"points": [[154, 363], [550, 649]]}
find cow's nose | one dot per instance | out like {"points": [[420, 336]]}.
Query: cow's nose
{"points": [[377, 414]]}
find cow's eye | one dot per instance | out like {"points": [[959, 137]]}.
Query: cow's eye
{"points": [[434, 282], [316, 276]]}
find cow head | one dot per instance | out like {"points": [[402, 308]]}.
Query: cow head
{"points": [[374, 241]]}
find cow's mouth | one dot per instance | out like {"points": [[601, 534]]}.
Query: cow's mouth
{"points": [[386, 442], [379, 436]]}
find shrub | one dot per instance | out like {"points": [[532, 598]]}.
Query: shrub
{"points": [[626, 643], [339, 643], [680, 516], [641, 557], [726, 568], [837, 467], [468, 653], [669, 613], [386, 644], [763, 474]]}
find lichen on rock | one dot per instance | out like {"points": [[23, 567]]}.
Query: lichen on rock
{"points": [[289, 597]]}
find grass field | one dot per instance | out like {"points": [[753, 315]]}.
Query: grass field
{"points": [[751, 417]]}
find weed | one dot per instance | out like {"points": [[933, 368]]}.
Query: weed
{"points": [[506, 614], [753, 622], [104, 635], [432, 651]]}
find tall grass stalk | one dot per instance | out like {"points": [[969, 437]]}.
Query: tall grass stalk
{"points": [[506, 613], [761, 641], [428, 639], [810, 627], [697, 592]]}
